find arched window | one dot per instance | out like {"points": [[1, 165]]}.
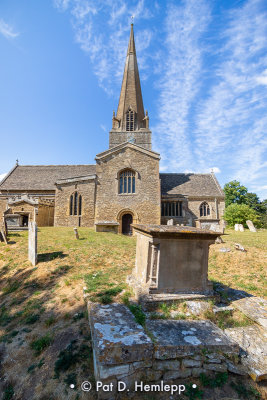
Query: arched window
{"points": [[130, 120], [204, 209], [76, 204], [127, 181]]}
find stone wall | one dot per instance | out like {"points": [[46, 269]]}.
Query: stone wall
{"points": [[194, 205], [3, 203], [144, 204], [62, 203], [125, 352]]}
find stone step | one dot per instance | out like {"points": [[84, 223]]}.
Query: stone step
{"points": [[178, 338], [151, 302], [254, 308], [253, 343]]}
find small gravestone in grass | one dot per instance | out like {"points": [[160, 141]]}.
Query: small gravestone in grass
{"points": [[32, 252], [76, 233]]}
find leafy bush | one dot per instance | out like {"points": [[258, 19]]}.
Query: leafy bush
{"points": [[239, 214]]}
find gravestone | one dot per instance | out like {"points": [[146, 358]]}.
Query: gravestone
{"points": [[170, 222], [239, 227], [32, 253], [76, 233], [3, 237], [251, 226]]}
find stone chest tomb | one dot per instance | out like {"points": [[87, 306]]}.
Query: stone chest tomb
{"points": [[172, 260]]}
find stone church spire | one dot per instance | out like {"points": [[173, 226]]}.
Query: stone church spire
{"points": [[130, 118]]}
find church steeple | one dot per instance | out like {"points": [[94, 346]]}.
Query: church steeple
{"points": [[130, 116]]}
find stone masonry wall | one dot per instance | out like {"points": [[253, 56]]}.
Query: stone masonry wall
{"points": [[194, 204], [144, 203], [62, 204], [125, 352]]}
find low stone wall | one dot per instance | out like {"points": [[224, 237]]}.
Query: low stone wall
{"points": [[166, 350]]}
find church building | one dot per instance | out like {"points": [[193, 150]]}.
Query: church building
{"points": [[124, 186]]}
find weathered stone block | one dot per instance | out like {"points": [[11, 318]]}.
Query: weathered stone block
{"points": [[254, 308], [117, 338], [185, 338], [215, 367], [114, 371], [197, 371], [191, 363], [166, 365], [237, 369], [152, 375], [252, 339], [177, 374]]}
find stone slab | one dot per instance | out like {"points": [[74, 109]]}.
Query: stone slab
{"points": [[32, 243], [251, 226], [253, 343], [150, 302], [117, 338], [254, 308], [180, 338]]}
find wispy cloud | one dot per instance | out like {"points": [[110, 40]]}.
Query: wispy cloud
{"points": [[179, 83], [231, 124], [101, 29], [7, 30]]}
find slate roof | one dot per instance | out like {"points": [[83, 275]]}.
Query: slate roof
{"points": [[190, 185], [42, 177]]}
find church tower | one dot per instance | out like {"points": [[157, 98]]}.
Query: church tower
{"points": [[130, 124]]}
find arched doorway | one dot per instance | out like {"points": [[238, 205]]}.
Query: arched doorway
{"points": [[127, 220]]}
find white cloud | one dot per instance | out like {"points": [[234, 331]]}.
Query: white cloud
{"points": [[262, 79], [179, 84], [7, 30], [2, 176], [102, 30], [231, 124]]}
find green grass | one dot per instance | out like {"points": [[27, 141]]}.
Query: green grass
{"points": [[40, 344]]}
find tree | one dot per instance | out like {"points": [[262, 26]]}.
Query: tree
{"points": [[239, 214], [234, 193]]}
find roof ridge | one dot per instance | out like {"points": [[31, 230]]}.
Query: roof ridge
{"points": [[57, 165], [8, 174], [217, 184]]}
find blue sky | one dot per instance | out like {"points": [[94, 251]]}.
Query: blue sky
{"points": [[203, 69]]}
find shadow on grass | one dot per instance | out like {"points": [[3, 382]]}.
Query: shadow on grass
{"points": [[229, 294], [46, 257]]}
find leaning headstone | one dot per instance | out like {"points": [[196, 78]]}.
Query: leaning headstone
{"points": [[219, 240], [3, 237], [170, 222], [76, 233], [251, 226], [32, 254]]}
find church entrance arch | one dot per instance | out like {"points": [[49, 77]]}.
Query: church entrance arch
{"points": [[126, 221], [125, 218]]}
